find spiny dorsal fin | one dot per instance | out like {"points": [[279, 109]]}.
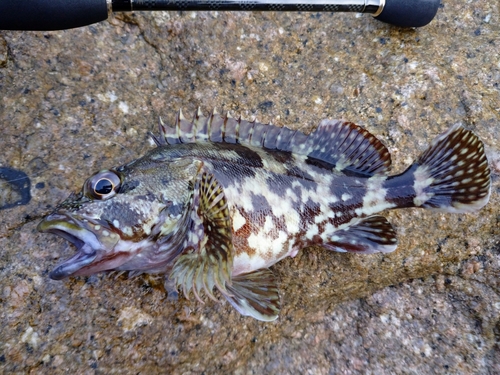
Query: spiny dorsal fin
{"points": [[343, 145]]}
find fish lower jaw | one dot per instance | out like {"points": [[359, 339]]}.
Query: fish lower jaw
{"points": [[125, 255], [73, 265], [86, 263]]}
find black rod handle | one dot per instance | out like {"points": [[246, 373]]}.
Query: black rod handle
{"points": [[50, 14], [67, 14]]}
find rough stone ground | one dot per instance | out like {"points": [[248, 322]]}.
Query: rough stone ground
{"points": [[73, 102]]}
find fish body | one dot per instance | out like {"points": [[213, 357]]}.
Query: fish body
{"points": [[220, 200]]}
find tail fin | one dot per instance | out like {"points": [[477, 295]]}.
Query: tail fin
{"points": [[453, 174]]}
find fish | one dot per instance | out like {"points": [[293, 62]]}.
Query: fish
{"points": [[219, 200]]}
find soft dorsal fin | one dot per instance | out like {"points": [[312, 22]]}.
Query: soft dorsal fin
{"points": [[348, 147], [344, 145]]}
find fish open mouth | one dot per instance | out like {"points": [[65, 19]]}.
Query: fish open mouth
{"points": [[85, 241]]}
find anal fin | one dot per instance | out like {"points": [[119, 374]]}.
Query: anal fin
{"points": [[255, 294], [373, 234]]}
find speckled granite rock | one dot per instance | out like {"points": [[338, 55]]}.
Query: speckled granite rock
{"points": [[73, 102]]}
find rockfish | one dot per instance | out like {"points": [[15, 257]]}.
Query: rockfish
{"points": [[220, 200]]}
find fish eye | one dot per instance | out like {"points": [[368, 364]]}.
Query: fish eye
{"points": [[102, 185]]}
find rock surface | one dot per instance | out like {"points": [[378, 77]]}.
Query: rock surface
{"points": [[73, 102]]}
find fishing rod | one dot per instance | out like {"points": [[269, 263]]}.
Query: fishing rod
{"points": [[66, 14]]}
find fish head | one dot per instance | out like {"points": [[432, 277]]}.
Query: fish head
{"points": [[119, 220]]}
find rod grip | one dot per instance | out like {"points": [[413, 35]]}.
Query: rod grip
{"points": [[409, 13], [50, 14]]}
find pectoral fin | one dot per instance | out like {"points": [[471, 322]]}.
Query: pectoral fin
{"points": [[255, 294], [372, 234], [209, 258]]}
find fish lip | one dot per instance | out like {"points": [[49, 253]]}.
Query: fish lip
{"points": [[87, 244], [72, 265]]}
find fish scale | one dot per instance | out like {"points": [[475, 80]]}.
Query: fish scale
{"points": [[220, 200]]}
